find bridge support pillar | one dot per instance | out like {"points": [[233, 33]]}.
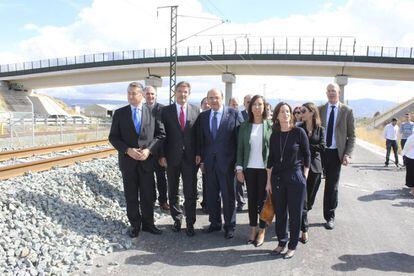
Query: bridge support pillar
{"points": [[154, 81], [341, 80], [228, 79]]}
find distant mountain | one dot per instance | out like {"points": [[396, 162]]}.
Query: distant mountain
{"points": [[368, 107], [362, 107], [85, 102]]}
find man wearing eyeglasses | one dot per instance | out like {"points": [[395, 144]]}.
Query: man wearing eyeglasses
{"points": [[338, 120], [137, 135]]}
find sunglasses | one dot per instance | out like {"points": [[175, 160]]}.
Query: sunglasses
{"points": [[296, 112], [303, 111]]}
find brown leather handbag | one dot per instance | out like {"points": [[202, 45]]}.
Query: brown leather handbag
{"points": [[268, 212]]}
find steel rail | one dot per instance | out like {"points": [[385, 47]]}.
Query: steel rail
{"points": [[11, 171], [28, 152]]}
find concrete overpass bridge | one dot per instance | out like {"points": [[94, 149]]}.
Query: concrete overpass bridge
{"points": [[337, 57]]}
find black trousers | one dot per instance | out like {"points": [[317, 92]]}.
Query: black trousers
{"points": [[256, 192], [333, 171], [187, 170], [161, 184], [409, 176], [288, 191], [204, 190], [391, 144], [403, 141], [139, 195], [221, 183], [312, 186]]}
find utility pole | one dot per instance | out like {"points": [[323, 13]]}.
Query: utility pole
{"points": [[173, 50]]}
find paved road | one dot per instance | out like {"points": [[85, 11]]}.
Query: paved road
{"points": [[374, 235]]}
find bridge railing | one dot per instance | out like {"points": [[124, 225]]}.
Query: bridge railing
{"points": [[328, 46]]}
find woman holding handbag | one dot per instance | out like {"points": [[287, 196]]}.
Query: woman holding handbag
{"points": [[287, 170], [252, 153], [311, 123]]}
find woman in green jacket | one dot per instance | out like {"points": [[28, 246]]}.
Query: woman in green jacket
{"points": [[252, 153]]}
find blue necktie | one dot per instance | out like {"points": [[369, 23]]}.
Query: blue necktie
{"points": [[330, 127], [214, 125], [136, 116]]}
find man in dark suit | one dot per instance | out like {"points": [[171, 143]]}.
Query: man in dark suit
{"points": [[246, 102], [204, 106], [338, 120], [218, 134], [179, 155], [150, 101], [137, 135], [239, 185]]}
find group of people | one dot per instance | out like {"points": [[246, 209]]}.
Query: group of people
{"points": [[262, 148], [405, 131]]}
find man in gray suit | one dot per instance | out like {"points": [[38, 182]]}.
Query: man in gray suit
{"points": [[155, 107], [218, 136], [179, 155], [338, 120]]}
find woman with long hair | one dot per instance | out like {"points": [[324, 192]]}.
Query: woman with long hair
{"points": [[297, 115], [287, 170], [311, 123], [252, 153]]}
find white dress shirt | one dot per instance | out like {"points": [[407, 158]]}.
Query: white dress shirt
{"points": [[179, 111], [256, 147], [328, 112], [409, 147], [391, 132], [219, 115]]}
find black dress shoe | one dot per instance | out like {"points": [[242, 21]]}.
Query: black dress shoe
{"points": [[177, 226], [229, 234], [152, 229], [330, 224], [133, 232], [212, 228], [190, 230]]}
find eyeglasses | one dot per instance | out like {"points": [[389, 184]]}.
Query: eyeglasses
{"points": [[303, 111]]}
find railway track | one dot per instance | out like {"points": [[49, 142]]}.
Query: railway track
{"points": [[28, 152], [11, 171]]}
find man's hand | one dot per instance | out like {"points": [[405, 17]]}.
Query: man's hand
{"points": [[133, 153], [240, 176], [143, 154], [347, 160], [197, 159], [163, 162]]}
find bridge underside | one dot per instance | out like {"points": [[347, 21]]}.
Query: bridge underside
{"points": [[120, 71]]}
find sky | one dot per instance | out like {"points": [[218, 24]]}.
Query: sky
{"points": [[33, 30]]}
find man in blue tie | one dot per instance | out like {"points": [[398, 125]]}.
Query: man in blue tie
{"points": [[137, 135], [218, 136], [338, 120]]}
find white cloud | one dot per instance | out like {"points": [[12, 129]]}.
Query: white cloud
{"points": [[128, 24]]}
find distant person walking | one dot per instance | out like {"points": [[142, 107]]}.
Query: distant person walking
{"points": [[408, 153], [391, 136], [406, 129]]}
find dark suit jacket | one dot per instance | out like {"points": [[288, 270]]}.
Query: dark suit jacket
{"points": [[317, 147], [344, 129], [179, 144], [245, 115], [222, 150], [156, 110], [123, 136]]}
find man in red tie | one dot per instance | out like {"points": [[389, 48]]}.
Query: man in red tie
{"points": [[179, 155]]}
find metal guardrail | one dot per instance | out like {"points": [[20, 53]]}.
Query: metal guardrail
{"points": [[328, 46]]}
